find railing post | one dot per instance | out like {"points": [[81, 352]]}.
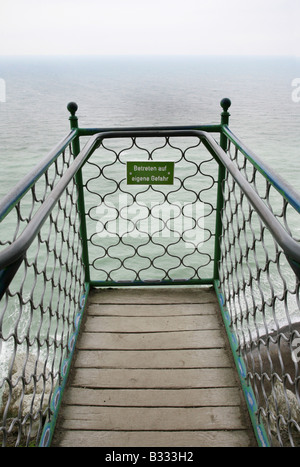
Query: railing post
{"points": [[225, 104], [72, 108]]}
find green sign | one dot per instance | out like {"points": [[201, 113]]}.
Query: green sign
{"points": [[150, 173]]}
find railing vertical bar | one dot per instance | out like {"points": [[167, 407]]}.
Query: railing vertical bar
{"points": [[72, 107], [225, 104]]}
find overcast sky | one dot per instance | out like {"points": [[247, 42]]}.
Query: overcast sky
{"points": [[219, 27]]}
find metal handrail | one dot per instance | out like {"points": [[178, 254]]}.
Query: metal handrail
{"points": [[18, 248]]}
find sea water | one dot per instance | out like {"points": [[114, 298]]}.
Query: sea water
{"points": [[138, 91]]}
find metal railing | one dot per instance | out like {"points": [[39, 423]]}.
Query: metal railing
{"points": [[259, 291], [42, 290], [86, 218]]}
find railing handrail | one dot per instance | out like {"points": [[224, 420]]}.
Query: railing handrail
{"points": [[210, 128], [18, 248]]}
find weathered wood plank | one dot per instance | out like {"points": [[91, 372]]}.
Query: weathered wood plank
{"points": [[157, 419], [157, 341], [159, 295], [136, 378], [234, 438], [99, 309], [199, 358], [229, 396], [150, 324]]}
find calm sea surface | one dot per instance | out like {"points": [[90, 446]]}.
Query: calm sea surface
{"points": [[129, 91]]}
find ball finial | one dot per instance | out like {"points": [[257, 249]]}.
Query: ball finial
{"points": [[72, 108], [225, 104]]}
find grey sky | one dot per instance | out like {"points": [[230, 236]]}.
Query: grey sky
{"points": [[243, 27]]}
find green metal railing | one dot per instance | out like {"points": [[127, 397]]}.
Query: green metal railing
{"points": [[86, 218]]}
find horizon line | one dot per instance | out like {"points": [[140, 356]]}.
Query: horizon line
{"points": [[148, 55]]}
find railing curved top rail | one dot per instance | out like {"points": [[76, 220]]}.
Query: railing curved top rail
{"points": [[18, 248]]}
